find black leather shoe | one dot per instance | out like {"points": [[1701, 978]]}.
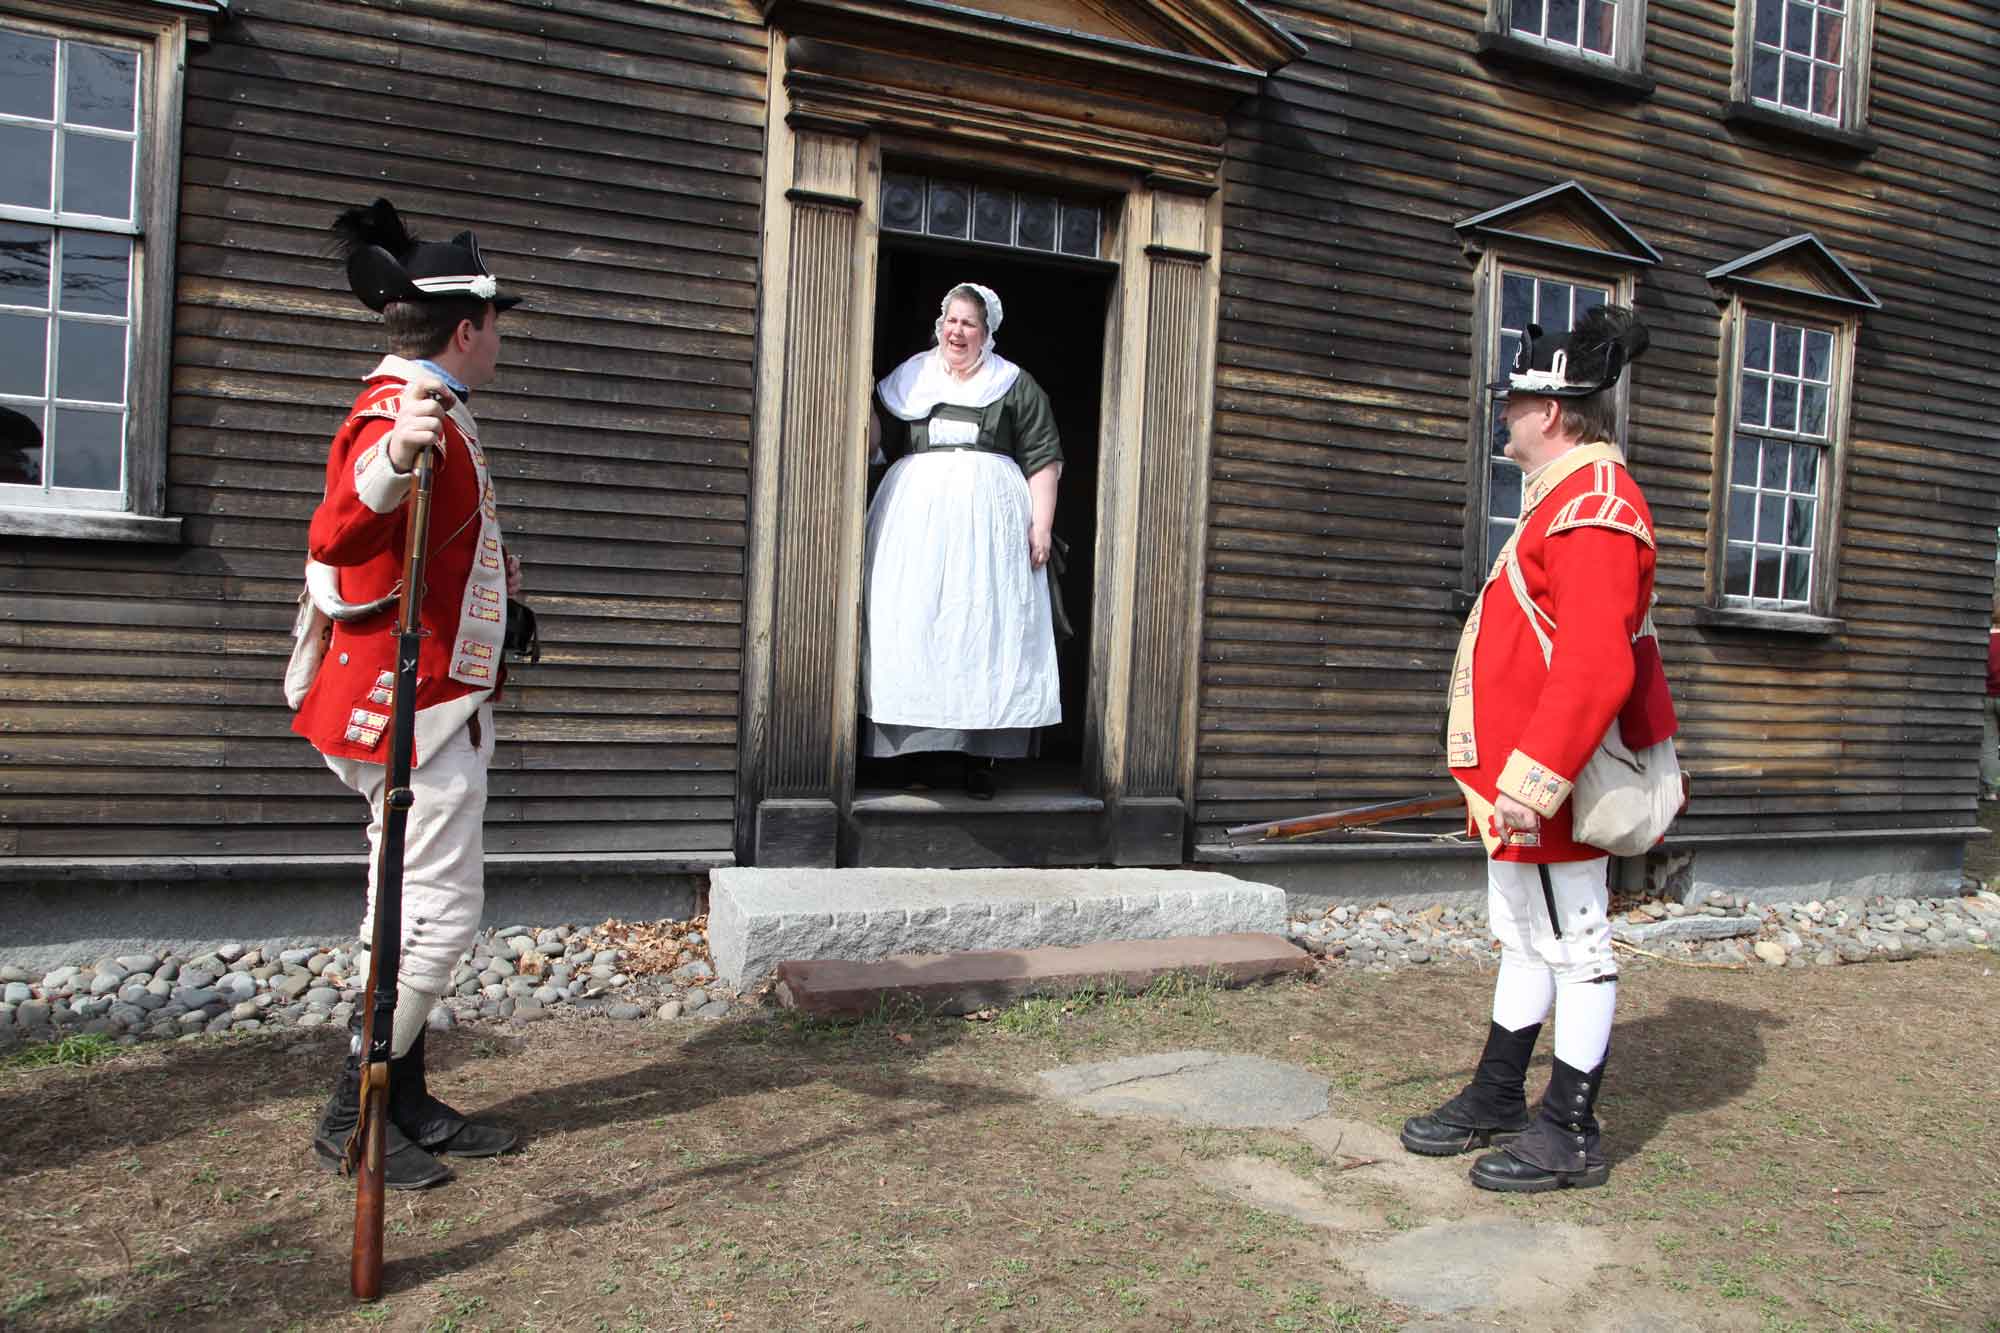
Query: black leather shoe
{"points": [[1561, 1149], [1487, 1112], [1453, 1128], [405, 1166], [473, 1139], [430, 1122], [1508, 1174], [979, 784]]}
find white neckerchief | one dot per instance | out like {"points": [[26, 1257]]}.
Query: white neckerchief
{"points": [[912, 389]]}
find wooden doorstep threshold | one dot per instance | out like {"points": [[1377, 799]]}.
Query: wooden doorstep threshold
{"points": [[941, 801]]}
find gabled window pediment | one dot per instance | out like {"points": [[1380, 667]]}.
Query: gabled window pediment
{"points": [[1799, 267], [1567, 219]]}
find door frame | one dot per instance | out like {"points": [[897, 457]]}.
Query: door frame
{"points": [[837, 104]]}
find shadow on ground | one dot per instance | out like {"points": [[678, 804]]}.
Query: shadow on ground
{"points": [[189, 1090]]}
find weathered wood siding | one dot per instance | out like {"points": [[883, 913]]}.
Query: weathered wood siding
{"points": [[609, 153], [1339, 467]]}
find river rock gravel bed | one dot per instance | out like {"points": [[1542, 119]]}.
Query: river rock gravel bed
{"points": [[1720, 927], [662, 972], [515, 974]]}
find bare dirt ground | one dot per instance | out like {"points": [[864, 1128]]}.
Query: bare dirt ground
{"points": [[1796, 1149]]}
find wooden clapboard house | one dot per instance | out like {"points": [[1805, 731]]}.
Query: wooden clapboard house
{"points": [[1261, 257]]}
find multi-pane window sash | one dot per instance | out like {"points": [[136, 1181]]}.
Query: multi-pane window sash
{"points": [[69, 147], [1777, 464], [962, 211], [1525, 298], [1798, 56], [1586, 26]]}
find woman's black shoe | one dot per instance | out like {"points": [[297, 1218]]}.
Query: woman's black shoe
{"points": [[979, 783]]}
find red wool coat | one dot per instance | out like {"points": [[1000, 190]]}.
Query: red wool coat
{"points": [[360, 527], [1585, 548]]}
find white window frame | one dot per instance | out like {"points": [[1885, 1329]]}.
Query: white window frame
{"points": [[1815, 611], [1856, 59], [1622, 70], [1494, 265], [159, 34], [1628, 40]]}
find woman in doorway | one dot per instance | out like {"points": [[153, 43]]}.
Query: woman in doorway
{"points": [[959, 651]]}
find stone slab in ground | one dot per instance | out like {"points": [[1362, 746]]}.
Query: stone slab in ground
{"points": [[760, 917], [1449, 1267], [959, 983], [1193, 1087]]}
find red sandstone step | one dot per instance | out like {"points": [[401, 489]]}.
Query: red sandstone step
{"points": [[959, 983]]}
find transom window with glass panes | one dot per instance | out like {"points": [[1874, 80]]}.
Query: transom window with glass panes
{"points": [[1778, 463], [990, 215], [1799, 56], [1586, 26], [69, 146], [1525, 298]]}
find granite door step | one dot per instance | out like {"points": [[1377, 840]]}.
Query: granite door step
{"points": [[760, 917], [960, 983]]}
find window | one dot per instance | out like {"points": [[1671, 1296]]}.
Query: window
{"points": [[1777, 460], [1600, 42], [1788, 334], [1589, 27], [1803, 65], [1542, 259], [69, 140], [87, 201], [989, 215], [1525, 298]]}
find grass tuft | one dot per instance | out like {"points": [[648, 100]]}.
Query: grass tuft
{"points": [[85, 1048]]}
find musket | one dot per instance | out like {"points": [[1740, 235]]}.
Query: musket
{"points": [[1346, 821], [366, 1145]]}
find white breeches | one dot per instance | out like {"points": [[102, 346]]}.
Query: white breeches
{"points": [[1575, 970], [1579, 949], [444, 865]]}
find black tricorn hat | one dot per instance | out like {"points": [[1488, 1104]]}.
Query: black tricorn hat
{"points": [[386, 263], [1586, 360]]}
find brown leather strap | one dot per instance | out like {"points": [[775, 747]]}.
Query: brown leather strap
{"points": [[472, 728]]}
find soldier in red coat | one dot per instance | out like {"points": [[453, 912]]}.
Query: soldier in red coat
{"points": [[441, 309], [1546, 664]]}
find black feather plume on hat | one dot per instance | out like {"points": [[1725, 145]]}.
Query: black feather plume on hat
{"points": [[1610, 325], [378, 224]]}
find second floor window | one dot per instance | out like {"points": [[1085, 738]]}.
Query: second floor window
{"points": [[1587, 26], [1798, 56]]}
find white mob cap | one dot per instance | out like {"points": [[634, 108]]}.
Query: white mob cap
{"points": [[988, 299]]}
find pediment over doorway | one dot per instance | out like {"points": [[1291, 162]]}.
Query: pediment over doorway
{"points": [[1220, 30], [1139, 83]]}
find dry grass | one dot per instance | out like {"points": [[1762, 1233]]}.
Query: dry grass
{"points": [[1801, 1149]]}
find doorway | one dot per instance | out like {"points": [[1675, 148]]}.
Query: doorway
{"points": [[1053, 328]]}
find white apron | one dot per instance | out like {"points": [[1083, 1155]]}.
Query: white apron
{"points": [[955, 618]]}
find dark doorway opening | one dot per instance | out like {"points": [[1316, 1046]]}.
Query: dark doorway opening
{"points": [[1053, 328]]}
